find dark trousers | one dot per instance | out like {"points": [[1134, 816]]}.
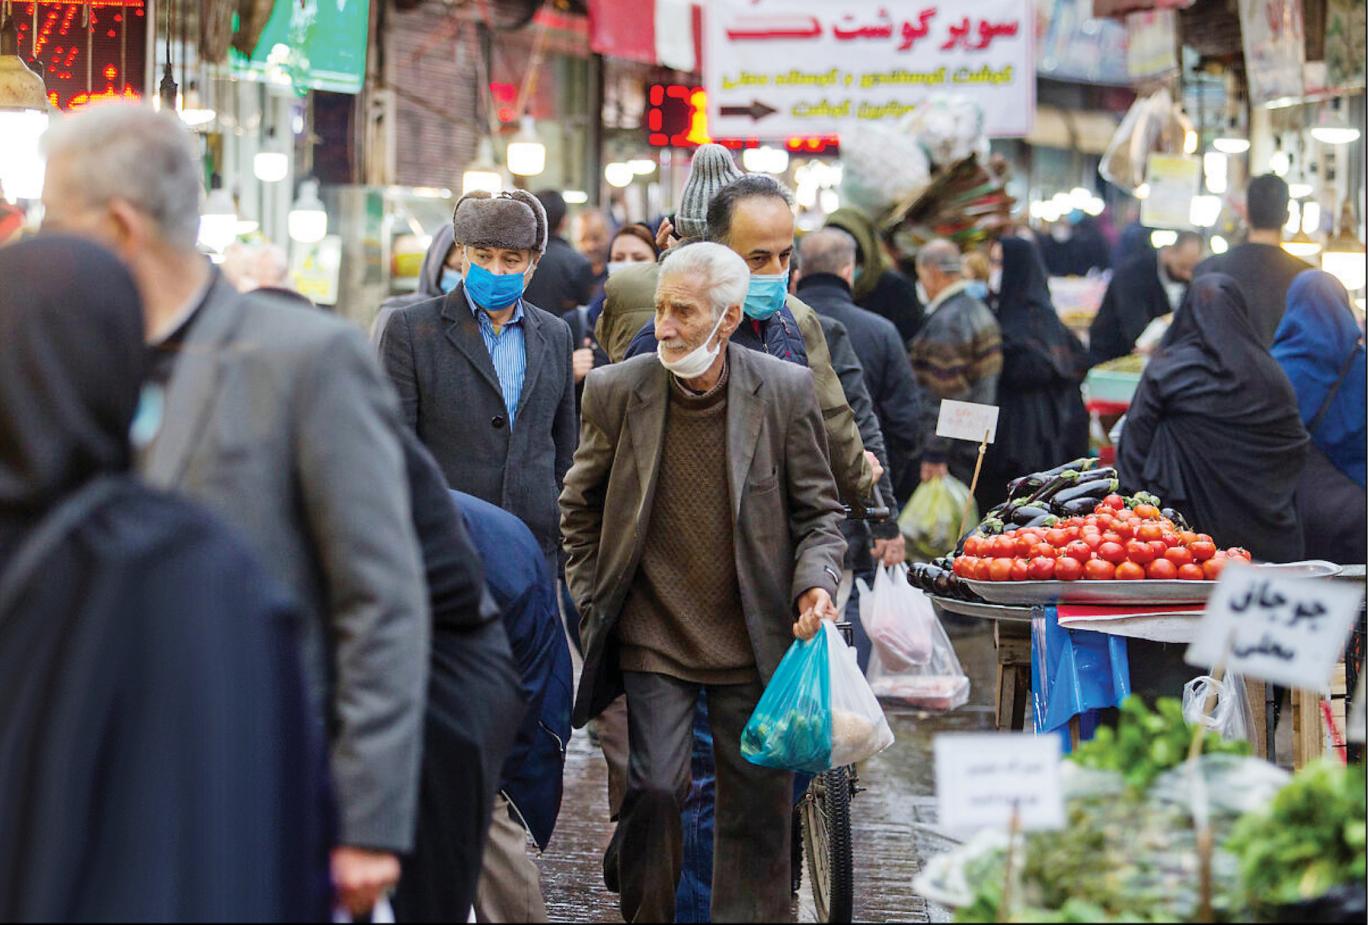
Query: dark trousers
{"points": [[751, 841]]}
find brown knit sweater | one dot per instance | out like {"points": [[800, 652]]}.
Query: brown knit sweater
{"points": [[683, 616]]}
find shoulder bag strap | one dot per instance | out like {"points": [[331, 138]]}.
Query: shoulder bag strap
{"points": [[1334, 390], [49, 533]]}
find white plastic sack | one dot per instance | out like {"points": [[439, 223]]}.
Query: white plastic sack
{"points": [[939, 684], [1232, 717], [880, 167], [897, 618], [858, 728]]}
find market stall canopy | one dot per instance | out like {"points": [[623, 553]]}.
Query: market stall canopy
{"points": [[1088, 131]]}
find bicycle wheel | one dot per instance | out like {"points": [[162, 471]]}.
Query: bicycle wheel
{"points": [[796, 848], [826, 841]]}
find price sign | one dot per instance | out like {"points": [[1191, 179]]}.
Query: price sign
{"points": [[982, 779], [1287, 631], [963, 420]]}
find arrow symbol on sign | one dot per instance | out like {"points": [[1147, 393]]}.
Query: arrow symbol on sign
{"points": [[756, 110]]}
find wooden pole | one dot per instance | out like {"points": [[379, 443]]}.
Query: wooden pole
{"points": [[1013, 830], [973, 486], [1201, 818]]}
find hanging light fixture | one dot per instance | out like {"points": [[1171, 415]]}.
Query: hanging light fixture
{"points": [[1344, 256], [1332, 129], [271, 165], [23, 119], [1280, 162], [1204, 211], [526, 153], [308, 221], [1301, 245], [193, 111], [218, 218], [619, 175], [482, 175], [1215, 168], [1219, 245]]}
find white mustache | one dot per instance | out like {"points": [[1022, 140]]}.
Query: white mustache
{"points": [[675, 343]]}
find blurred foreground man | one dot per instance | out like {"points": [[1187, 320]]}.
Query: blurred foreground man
{"points": [[277, 419], [700, 516]]}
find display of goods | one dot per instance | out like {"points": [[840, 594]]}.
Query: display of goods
{"points": [[967, 203], [1130, 363], [1307, 842], [881, 166]]}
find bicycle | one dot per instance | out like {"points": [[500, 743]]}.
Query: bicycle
{"points": [[821, 818]]}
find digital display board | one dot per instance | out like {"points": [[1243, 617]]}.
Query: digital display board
{"points": [[82, 61]]}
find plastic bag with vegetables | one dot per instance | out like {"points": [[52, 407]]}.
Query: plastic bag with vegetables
{"points": [[897, 617], [931, 521], [817, 712]]}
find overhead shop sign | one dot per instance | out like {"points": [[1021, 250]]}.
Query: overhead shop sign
{"points": [[776, 68], [313, 44]]}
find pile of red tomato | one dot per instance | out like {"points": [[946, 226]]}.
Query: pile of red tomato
{"points": [[1112, 543]]}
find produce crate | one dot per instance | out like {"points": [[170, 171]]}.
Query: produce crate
{"points": [[1106, 385]]}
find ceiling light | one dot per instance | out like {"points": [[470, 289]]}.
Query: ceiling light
{"points": [[218, 219], [308, 220], [619, 175], [1299, 190], [1280, 163], [1219, 245], [642, 167], [1344, 254], [1230, 144], [23, 119], [1142, 191], [526, 153], [576, 197], [1216, 169], [1310, 217], [483, 174], [1302, 246], [765, 160], [1095, 207], [1331, 129], [192, 111], [1190, 142], [1079, 197], [1293, 222], [1163, 238], [1204, 211]]}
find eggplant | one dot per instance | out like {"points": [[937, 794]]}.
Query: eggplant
{"points": [[1178, 519], [1053, 487], [1082, 464], [1044, 520], [1027, 483], [1095, 490], [941, 582], [1078, 507], [1025, 514]]}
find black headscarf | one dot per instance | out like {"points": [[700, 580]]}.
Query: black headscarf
{"points": [[71, 367], [1214, 428], [1042, 421]]}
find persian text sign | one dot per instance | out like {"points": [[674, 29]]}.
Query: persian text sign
{"points": [[778, 68], [1287, 631], [965, 420], [981, 780]]}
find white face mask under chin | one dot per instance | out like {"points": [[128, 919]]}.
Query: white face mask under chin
{"points": [[697, 361]]}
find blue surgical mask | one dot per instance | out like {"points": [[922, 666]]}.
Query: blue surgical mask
{"points": [[766, 296], [491, 291], [450, 279], [978, 289], [147, 420]]}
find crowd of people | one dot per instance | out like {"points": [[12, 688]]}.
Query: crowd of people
{"points": [[287, 614]]}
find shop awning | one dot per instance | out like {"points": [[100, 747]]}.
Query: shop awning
{"points": [[1111, 9], [655, 32], [1088, 130]]}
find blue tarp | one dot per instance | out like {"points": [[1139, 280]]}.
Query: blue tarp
{"points": [[1074, 673]]}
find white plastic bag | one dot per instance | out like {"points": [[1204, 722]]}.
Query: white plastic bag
{"points": [[939, 684], [1232, 716], [897, 618], [858, 727]]}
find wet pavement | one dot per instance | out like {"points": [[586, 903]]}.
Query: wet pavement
{"points": [[893, 819]]}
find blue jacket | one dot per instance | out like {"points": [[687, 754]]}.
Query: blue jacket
{"points": [[517, 577], [778, 336]]}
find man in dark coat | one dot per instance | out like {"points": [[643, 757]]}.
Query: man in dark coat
{"points": [[1262, 268], [878, 285], [1148, 286], [484, 376], [565, 277]]}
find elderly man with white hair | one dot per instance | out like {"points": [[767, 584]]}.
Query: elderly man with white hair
{"points": [[280, 421], [700, 519]]}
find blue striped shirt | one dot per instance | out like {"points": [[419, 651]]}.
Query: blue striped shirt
{"points": [[508, 349]]}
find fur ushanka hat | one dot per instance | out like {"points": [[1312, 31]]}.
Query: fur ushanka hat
{"points": [[513, 219]]}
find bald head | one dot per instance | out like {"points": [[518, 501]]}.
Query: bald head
{"points": [[829, 250]]}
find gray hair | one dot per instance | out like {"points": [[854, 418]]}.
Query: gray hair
{"points": [[711, 268], [124, 150], [941, 254], [829, 250], [723, 205]]}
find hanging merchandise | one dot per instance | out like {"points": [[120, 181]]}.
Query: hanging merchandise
{"points": [[1274, 50], [1155, 124], [881, 166], [1231, 717], [939, 684], [931, 521]]}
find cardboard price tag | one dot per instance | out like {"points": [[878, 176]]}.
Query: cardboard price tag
{"points": [[1287, 631], [981, 779], [963, 420]]}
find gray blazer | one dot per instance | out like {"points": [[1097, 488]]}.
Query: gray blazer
{"points": [[783, 495], [450, 395], [279, 420]]}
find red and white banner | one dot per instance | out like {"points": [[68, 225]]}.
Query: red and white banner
{"points": [[658, 32]]}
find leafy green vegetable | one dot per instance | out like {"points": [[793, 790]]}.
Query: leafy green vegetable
{"points": [[1145, 743]]}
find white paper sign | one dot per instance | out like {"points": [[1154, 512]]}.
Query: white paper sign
{"points": [[778, 68], [964, 420], [1287, 631], [981, 778]]}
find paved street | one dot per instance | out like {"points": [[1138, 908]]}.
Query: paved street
{"points": [[889, 846]]}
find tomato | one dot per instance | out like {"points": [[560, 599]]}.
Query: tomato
{"points": [[1161, 570], [1042, 568], [1115, 502], [1092, 530], [973, 546], [1139, 553], [1090, 521], [1191, 572], [1113, 537], [1099, 570], [1179, 556], [1123, 529], [1172, 540], [1202, 551], [1149, 532], [964, 566], [1021, 569], [1033, 536], [982, 569], [1188, 537], [1147, 512], [1004, 547], [1068, 569], [1074, 532], [1078, 550], [1044, 551], [1211, 568], [1114, 553], [1129, 571], [1094, 541], [1159, 547], [1105, 520], [1235, 552], [1022, 548], [1000, 570], [1056, 537]]}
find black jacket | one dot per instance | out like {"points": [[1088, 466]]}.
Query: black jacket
{"points": [[1264, 274], [1134, 298], [888, 374], [564, 278]]}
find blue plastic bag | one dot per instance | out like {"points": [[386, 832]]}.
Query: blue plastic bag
{"points": [[791, 726]]}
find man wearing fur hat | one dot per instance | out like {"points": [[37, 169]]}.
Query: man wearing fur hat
{"points": [[485, 377]]}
